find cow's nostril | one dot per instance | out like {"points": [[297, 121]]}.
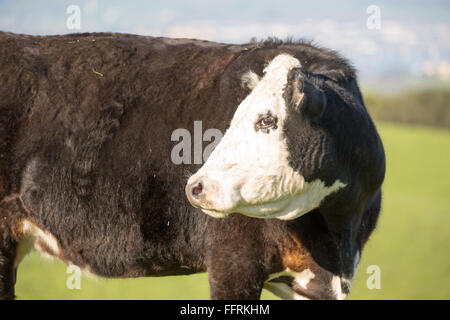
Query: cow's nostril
{"points": [[197, 189], [194, 193]]}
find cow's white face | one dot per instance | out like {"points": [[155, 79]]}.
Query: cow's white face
{"points": [[249, 170]]}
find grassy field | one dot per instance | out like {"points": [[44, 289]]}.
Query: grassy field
{"points": [[411, 244]]}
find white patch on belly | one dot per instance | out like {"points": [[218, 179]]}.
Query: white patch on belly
{"points": [[301, 278], [33, 236], [284, 291], [44, 242]]}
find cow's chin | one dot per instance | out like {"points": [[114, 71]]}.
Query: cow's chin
{"points": [[281, 209], [307, 200], [281, 215], [215, 214], [287, 208]]}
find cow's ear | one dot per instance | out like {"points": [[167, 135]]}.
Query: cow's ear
{"points": [[303, 96], [250, 80]]}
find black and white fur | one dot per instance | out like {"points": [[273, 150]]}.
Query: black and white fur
{"points": [[86, 176]]}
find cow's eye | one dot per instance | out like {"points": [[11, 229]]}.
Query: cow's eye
{"points": [[266, 122]]}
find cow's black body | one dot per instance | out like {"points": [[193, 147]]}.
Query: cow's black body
{"points": [[85, 144]]}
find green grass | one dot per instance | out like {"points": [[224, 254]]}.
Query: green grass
{"points": [[411, 244]]}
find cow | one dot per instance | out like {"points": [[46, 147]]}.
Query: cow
{"points": [[291, 193]]}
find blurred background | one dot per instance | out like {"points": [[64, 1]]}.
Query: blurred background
{"points": [[402, 52]]}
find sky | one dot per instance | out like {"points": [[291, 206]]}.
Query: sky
{"points": [[393, 44]]}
